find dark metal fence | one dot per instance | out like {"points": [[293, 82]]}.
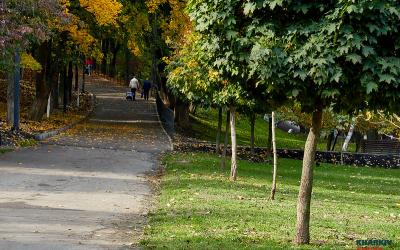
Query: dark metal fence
{"points": [[166, 114], [381, 147]]}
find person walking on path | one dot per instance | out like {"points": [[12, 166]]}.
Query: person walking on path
{"points": [[134, 85], [146, 89]]}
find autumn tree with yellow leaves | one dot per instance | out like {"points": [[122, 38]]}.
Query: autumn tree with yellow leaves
{"points": [[87, 29], [171, 31]]}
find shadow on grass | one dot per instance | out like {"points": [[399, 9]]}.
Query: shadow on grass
{"points": [[327, 176], [199, 208]]}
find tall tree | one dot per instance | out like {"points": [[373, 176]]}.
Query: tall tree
{"points": [[226, 51], [23, 24], [328, 55], [171, 29]]}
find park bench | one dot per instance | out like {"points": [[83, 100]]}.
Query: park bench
{"points": [[381, 147]]}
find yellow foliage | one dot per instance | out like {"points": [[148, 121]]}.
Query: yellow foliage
{"points": [[134, 47], [177, 26], [28, 62], [79, 36], [152, 5], [166, 60], [213, 75], [105, 11], [137, 25]]}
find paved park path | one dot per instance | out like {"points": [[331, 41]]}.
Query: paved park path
{"points": [[86, 188]]}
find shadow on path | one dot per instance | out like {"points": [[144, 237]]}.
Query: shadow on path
{"points": [[86, 188]]}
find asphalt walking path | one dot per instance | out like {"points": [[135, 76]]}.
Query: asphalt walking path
{"points": [[86, 188]]}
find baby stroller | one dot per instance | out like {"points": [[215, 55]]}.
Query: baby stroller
{"points": [[129, 96]]}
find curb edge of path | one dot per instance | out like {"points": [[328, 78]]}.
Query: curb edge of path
{"points": [[169, 137], [45, 135], [165, 131]]}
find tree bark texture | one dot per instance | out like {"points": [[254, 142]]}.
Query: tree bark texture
{"points": [[273, 190], [76, 77], [304, 198], [65, 89], [218, 139], [233, 175], [182, 114], [349, 135], [223, 159], [42, 83]]}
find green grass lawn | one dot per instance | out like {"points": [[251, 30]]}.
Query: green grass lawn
{"points": [[199, 208], [205, 124], [5, 150]]}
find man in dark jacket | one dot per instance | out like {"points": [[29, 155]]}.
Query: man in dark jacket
{"points": [[146, 89]]}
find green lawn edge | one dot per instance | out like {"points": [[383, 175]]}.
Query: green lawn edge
{"points": [[199, 208]]}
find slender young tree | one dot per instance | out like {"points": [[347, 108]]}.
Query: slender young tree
{"points": [[223, 158], [225, 51], [233, 175], [275, 155], [218, 140]]}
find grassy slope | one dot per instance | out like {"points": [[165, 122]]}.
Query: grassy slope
{"points": [[200, 209], [207, 120], [5, 150]]}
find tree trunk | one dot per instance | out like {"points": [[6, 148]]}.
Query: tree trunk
{"points": [[10, 98], [273, 190], [54, 82], [42, 83], [252, 125], [126, 73], [76, 77], [83, 80], [269, 142], [304, 199], [104, 47], [182, 114], [335, 140], [223, 159], [349, 135], [114, 50], [40, 104], [233, 146], [65, 89], [329, 141], [358, 139], [192, 109], [70, 80], [55, 93], [218, 140]]}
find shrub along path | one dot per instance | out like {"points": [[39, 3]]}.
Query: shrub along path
{"points": [[85, 189]]}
